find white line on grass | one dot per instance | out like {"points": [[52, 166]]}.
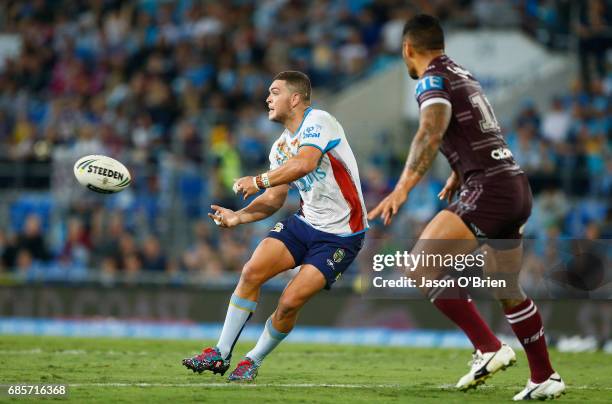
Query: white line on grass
{"points": [[303, 385], [38, 351], [287, 385], [488, 386]]}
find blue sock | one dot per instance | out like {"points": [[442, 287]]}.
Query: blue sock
{"points": [[239, 312], [268, 340]]}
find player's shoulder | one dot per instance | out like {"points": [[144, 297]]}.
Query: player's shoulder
{"points": [[430, 82], [435, 77], [318, 115], [316, 120], [449, 69]]}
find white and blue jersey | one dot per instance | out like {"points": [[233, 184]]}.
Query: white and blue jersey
{"points": [[331, 195]]}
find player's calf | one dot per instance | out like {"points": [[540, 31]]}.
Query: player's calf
{"points": [[285, 315], [210, 359]]}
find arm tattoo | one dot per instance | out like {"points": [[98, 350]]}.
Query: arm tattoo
{"points": [[434, 121]]}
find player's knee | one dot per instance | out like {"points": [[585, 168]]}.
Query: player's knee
{"points": [[252, 274], [288, 306]]}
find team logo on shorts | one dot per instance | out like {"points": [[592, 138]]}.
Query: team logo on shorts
{"points": [[339, 255], [330, 263], [278, 227], [479, 233]]}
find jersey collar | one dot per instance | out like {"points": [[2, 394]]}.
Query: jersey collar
{"points": [[441, 57], [306, 112]]}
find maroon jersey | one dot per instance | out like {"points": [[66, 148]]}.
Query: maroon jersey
{"points": [[473, 143]]}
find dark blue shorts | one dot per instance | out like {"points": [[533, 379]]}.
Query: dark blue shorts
{"points": [[329, 253]]}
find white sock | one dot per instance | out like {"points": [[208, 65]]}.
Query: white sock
{"points": [[268, 340], [239, 312]]}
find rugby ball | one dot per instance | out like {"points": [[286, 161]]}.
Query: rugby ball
{"points": [[102, 174]]}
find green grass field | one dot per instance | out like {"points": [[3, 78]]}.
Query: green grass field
{"points": [[129, 370]]}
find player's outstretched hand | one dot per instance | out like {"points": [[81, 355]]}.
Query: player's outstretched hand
{"points": [[224, 217], [389, 206], [245, 185], [451, 186]]}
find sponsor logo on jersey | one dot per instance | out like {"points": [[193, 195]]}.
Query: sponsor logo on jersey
{"points": [[312, 132], [501, 153], [429, 83], [339, 255], [278, 227], [311, 135], [305, 183]]}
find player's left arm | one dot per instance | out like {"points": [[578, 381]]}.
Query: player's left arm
{"points": [[304, 162], [433, 122]]}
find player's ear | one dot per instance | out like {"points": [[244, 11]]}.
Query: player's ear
{"points": [[295, 99], [408, 49]]}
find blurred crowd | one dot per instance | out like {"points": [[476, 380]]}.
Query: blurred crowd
{"points": [[176, 89], [114, 249], [128, 77]]}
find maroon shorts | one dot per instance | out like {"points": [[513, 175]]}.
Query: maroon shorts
{"points": [[494, 207]]}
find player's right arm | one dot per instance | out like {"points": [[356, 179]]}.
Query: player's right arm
{"points": [[260, 208]]}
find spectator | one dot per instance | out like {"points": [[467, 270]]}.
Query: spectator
{"points": [[353, 54], [556, 123], [105, 238], [77, 246], [24, 263], [32, 240], [108, 268], [201, 261], [392, 29], [595, 34], [132, 265], [4, 248], [153, 258], [127, 250], [528, 114], [525, 147]]}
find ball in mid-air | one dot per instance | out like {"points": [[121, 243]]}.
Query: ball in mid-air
{"points": [[102, 174]]}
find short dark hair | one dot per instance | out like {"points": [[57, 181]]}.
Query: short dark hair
{"points": [[425, 32], [298, 81]]}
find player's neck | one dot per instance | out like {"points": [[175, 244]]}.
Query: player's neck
{"points": [[295, 118], [425, 61]]}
